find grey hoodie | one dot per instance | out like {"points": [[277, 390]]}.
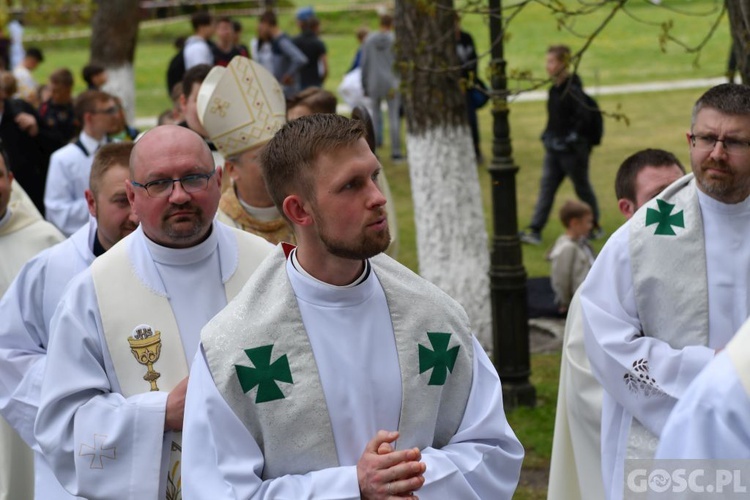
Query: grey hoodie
{"points": [[378, 77]]}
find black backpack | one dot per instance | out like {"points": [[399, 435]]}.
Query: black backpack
{"points": [[175, 70], [593, 121]]}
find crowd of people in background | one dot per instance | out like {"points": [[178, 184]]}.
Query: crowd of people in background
{"points": [[42, 119], [47, 116], [300, 62]]}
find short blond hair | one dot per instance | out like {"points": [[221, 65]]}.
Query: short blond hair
{"points": [[108, 156]]}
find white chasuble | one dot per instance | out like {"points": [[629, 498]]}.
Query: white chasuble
{"points": [[576, 446], [22, 236]]}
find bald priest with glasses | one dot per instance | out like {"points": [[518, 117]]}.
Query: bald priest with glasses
{"points": [[672, 286], [125, 333]]}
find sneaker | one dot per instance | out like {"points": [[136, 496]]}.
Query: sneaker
{"points": [[597, 233], [397, 159], [530, 237]]}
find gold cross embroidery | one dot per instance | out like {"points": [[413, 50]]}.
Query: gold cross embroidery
{"points": [[220, 107]]}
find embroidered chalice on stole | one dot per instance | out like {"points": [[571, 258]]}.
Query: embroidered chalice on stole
{"points": [[146, 347]]}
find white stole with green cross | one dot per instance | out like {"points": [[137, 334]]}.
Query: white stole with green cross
{"points": [[289, 419], [668, 265]]}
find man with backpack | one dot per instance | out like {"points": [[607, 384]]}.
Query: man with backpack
{"points": [[574, 126]]}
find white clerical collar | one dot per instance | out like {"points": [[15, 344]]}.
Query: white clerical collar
{"points": [[263, 214], [298, 267], [4, 220], [709, 203], [314, 291], [183, 256]]}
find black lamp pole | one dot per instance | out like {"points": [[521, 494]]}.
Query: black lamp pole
{"points": [[510, 328]]}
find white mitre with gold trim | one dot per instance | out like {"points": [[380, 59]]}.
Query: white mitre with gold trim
{"points": [[241, 106]]}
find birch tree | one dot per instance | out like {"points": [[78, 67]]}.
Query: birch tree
{"points": [[451, 235], [739, 23]]}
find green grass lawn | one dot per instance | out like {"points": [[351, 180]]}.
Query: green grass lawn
{"points": [[628, 51], [608, 61], [534, 427]]}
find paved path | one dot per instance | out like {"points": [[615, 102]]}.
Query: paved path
{"points": [[545, 335], [630, 88], [541, 95]]}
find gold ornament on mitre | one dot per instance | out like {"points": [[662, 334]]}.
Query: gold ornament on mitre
{"points": [[145, 344], [241, 106]]}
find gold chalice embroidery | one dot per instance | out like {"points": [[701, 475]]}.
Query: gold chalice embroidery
{"points": [[146, 348]]}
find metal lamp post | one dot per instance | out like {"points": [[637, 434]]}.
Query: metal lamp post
{"points": [[510, 327]]}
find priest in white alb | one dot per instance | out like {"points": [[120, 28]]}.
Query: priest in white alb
{"points": [[337, 372], [70, 166], [23, 234], [576, 446], [126, 329], [28, 305], [670, 287]]}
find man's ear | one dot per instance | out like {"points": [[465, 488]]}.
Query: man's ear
{"points": [[297, 211], [627, 207], [231, 170], [219, 175], [90, 202], [129, 191]]}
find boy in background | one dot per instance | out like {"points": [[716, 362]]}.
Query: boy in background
{"points": [[571, 256]]}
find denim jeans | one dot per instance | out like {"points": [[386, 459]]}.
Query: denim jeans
{"points": [[558, 164], [394, 121]]}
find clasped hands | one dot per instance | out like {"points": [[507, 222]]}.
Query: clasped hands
{"points": [[385, 473]]}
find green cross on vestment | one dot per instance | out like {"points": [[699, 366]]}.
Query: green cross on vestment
{"points": [[664, 218], [440, 360], [265, 374]]}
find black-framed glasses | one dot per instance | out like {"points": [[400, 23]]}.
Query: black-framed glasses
{"points": [[161, 188], [708, 143]]}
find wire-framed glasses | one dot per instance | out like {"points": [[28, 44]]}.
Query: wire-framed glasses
{"points": [[708, 143], [161, 188]]}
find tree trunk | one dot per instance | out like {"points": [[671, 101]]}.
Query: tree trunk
{"points": [[451, 234], [739, 25], [114, 33]]}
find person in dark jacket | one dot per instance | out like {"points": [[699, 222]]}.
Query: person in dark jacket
{"points": [[566, 151], [314, 72], [26, 140], [467, 56]]}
